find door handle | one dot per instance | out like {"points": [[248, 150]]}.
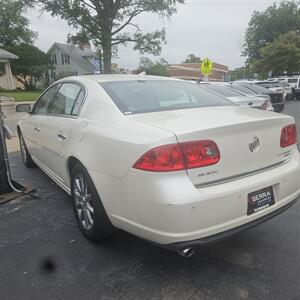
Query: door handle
{"points": [[36, 129], [61, 136]]}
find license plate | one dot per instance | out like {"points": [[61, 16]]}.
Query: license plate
{"points": [[260, 199]]}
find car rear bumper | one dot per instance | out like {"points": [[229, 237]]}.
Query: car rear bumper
{"points": [[168, 209], [226, 234]]}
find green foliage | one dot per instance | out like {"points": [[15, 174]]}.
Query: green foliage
{"points": [[159, 68], [32, 65], [13, 25], [80, 37], [106, 22], [21, 96], [192, 58], [281, 55], [265, 27], [241, 73]]}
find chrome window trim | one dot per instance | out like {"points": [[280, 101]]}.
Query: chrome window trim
{"points": [[240, 176]]}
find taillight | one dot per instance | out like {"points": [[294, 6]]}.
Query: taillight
{"points": [[288, 136], [200, 153], [161, 159], [266, 104], [180, 156]]}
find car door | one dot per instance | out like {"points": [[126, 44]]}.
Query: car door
{"points": [[31, 125], [57, 128]]}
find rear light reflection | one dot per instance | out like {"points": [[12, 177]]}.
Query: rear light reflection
{"points": [[288, 136], [180, 156]]}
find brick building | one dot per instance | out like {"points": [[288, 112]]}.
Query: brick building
{"points": [[192, 71]]}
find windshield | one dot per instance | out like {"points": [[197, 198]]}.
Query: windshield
{"points": [[134, 97], [225, 91]]}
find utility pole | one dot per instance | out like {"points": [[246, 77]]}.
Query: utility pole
{"points": [[4, 180]]}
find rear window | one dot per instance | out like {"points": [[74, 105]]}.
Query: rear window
{"points": [[293, 80], [257, 88], [268, 84], [244, 90], [223, 90], [134, 97]]}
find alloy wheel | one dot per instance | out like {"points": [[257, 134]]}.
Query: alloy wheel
{"points": [[83, 201]]}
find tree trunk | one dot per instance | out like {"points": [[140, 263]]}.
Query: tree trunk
{"points": [[107, 57], [4, 185]]}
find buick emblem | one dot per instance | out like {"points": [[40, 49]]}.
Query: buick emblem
{"points": [[254, 144]]}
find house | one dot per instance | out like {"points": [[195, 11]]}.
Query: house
{"points": [[69, 60], [192, 71], [6, 79]]}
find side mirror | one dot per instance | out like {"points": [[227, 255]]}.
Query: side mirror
{"points": [[23, 108]]}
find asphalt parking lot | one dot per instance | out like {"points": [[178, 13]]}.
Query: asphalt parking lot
{"points": [[44, 256]]}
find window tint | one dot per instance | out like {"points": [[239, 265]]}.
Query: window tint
{"points": [[223, 90], [159, 95], [42, 104], [65, 99], [293, 80]]}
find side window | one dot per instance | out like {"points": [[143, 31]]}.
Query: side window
{"points": [[42, 104], [78, 103], [65, 99]]}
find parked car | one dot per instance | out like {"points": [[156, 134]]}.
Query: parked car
{"points": [[245, 90], [277, 98], [226, 90], [294, 82], [163, 159]]}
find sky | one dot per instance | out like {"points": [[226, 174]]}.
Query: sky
{"points": [[206, 28]]}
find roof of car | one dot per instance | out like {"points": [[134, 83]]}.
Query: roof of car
{"points": [[124, 77]]}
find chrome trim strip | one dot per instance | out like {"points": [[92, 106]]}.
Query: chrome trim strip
{"points": [[240, 176]]}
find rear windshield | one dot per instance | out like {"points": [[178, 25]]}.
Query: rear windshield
{"points": [[244, 90], [223, 90], [293, 80], [256, 88], [268, 84], [134, 97]]}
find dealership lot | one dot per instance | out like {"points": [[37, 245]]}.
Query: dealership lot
{"points": [[43, 254]]}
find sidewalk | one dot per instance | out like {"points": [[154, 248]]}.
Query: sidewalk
{"points": [[13, 145]]}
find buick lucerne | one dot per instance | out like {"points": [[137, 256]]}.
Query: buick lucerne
{"points": [[163, 159]]}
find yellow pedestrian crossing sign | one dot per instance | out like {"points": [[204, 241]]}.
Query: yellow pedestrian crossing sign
{"points": [[206, 66]]}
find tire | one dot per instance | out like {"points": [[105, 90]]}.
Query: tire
{"points": [[26, 157], [88, 208], [293, 94], [279, 108]]}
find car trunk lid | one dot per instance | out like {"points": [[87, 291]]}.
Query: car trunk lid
{"points": [[233, 129]]}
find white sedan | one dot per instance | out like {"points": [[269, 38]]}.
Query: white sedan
{"points": [[161, 158]]}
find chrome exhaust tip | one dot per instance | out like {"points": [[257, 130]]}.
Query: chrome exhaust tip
{"points": [[187, 252]]}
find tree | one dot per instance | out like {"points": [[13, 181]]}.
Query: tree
{"points": [[281, 55], [159, 68], [32, 65], [106, 22], [13, 25], [241, 73], [192, 58], [266, 26]]}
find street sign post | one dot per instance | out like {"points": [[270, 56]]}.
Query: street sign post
{"points": [[206, 68], [97, 66]]}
